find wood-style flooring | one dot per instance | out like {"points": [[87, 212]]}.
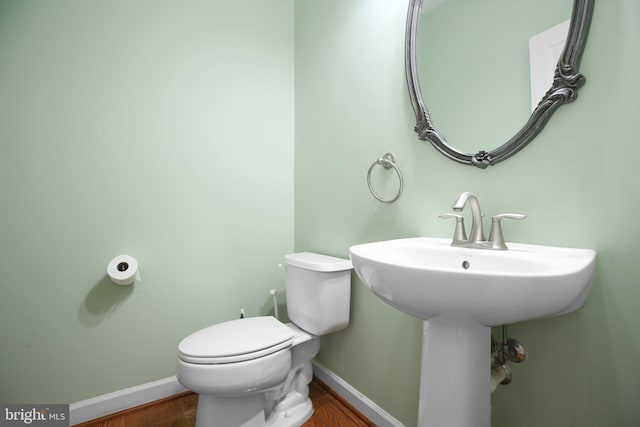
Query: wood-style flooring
{"points": [[329, 410]]}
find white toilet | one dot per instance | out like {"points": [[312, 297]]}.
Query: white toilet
{"points": [[255, 372]]}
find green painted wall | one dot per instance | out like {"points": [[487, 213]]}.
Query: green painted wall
{"points": [[161, 129], [578, 181]]}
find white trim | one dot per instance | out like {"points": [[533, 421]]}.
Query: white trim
{"points": [[362, 403], [110, 403]]}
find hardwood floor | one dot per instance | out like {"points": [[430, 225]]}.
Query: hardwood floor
{"points": [[329, 410]]}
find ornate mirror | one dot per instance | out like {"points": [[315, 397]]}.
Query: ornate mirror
{"points": [[463, 64]]}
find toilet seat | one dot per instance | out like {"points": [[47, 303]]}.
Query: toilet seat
{"points": [[236, 341]]}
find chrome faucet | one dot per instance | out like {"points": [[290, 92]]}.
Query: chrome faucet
{"points": [[476, 236]]}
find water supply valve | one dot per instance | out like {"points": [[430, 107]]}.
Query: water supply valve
{"points": [[509, 350]]}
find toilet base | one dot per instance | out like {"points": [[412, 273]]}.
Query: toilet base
{"points": [[288, 405], [248, 411], [239, 411], [292, 417]]}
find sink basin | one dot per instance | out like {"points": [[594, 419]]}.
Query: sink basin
{"points": [[427, 277]]}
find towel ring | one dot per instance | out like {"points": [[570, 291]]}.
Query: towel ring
{"points": [[387, 161]]}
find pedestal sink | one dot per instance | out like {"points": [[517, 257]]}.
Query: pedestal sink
{"points": [[460, 293]]}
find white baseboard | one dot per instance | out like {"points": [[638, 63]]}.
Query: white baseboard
{"points": [[362, 403], [110, 403]]}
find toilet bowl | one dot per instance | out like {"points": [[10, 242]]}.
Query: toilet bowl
{"points": [[255, 372]]}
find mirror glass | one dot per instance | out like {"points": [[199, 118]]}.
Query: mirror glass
{"points": [[481, 50], [469, 62]]}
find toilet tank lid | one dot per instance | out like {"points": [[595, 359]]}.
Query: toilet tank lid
{"points": [[318, 262]]}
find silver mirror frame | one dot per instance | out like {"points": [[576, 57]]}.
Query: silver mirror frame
{"points": [[566, 82]]}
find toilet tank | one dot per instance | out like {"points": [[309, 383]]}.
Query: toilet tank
{"points": [[318, 292]]}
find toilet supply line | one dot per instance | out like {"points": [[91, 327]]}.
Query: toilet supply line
{"points": [[274, 294]]}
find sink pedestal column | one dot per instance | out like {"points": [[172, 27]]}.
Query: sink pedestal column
{"points": [[455, 373]]}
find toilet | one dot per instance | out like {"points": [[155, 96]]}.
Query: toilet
{"points": [[256, 371]]}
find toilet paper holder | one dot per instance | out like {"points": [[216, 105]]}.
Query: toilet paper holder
{"points": [[123, 270], [122, 266]]}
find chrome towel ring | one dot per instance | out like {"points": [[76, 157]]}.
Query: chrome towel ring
{"points": [[387, 161]]}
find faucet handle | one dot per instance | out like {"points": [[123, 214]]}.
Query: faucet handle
{"points": [[459, 235], [496, 239]]}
